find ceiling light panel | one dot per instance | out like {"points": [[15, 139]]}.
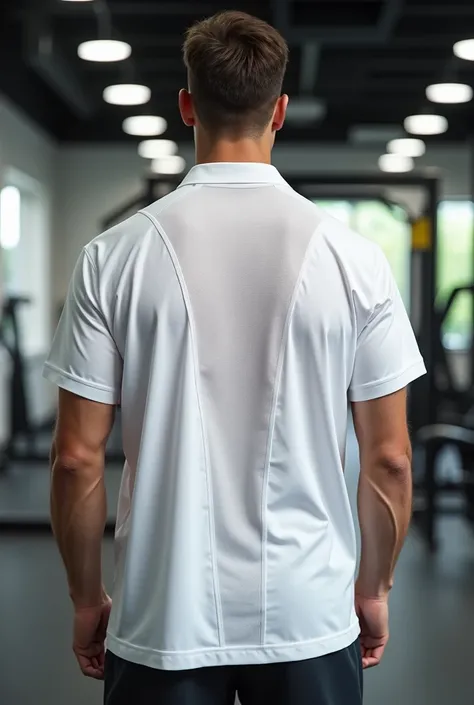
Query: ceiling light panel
{"points": [[168, 165], [145, 125], [395, 163], [426, 124], [127, 94], [451, 93], [104, 50], [154, 149], [408, 147]]}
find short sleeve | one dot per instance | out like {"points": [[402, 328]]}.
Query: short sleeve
{"points": [[387, 356], [84, 358]]}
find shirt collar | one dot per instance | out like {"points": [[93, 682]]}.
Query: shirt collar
{"points": [[233, 173]]}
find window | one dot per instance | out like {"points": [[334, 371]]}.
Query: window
{"points": [[386, 225], [24, 258], [455, 268], [9, 217], [10, 229]]}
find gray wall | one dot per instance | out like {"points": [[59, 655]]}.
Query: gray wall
{"points": [[28, 159]]}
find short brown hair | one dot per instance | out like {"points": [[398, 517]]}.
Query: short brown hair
{"points": [[236, 65]]}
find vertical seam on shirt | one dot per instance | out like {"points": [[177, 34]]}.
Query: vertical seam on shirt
{"points": [[271, 431], [210, 499]]}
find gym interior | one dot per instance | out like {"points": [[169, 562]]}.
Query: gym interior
{"points": [[380, 134]]}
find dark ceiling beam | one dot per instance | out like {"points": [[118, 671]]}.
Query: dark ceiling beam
{"points": [[281, 15], [43, 56], [158, 65], [402, 64], [425, 41], [440, 11], [391, 14], [137, 8], [334, 2], [345, 38], [338, 36], [140, 39]]}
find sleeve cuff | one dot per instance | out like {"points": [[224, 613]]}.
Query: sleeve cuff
{"points": [[80, 387], [376, 390]]}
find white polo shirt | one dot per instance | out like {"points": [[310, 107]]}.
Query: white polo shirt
{"points": [[232, 319]]}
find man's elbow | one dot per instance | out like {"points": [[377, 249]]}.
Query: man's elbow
{"points": [[75, 457], [396, 465]]}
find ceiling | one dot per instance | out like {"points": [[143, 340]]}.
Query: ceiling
{"points": [[368, 60]]}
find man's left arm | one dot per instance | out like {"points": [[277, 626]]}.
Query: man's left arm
{"points": [[78, 515], [87, 367], [78, 498]]}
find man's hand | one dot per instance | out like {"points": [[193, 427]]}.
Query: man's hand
{"points": [[90, 629], [373, 618]]}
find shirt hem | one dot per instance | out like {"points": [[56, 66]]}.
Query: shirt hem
{"points": [[232, 656]]}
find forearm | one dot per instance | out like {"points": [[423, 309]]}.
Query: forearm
{"points": [[384, 502], [78, 514]]}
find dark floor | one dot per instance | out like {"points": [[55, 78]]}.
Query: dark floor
{"points": [[429, 660]]}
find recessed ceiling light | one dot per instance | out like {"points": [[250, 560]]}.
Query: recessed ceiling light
{"points": [[127, 94], [104, 50], [396, 163], [407, 147], [465, 49], [168, 165], [145, 125], [426, 124], [77, 0], [449, 93], [154, 149]]}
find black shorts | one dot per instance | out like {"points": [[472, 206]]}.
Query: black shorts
{"points": [[334, 679]]}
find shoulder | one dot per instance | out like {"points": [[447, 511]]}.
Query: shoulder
{"points": [[346, 244], [118, 240]]}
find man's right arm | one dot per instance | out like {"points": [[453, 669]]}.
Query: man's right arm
{"points": [[387, 360], [384, 504], [385, 490]]}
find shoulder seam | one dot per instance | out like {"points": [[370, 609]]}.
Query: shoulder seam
{"points": [[89, 257], [179, 195]]}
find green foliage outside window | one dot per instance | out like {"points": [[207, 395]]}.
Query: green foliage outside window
{"points": [[455, 268], [388, 226]]}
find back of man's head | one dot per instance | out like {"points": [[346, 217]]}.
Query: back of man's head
{"points": [[236, 65]]}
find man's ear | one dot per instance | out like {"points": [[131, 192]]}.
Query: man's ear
{"points": [[280, 113], [186, 107]]}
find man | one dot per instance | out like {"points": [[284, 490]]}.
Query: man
{"points": [[231, 320]]}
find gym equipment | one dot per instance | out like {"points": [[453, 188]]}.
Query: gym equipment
{"points": [[454, 428], [441, 497], [28, 442], [21, 428], [454, 405]]}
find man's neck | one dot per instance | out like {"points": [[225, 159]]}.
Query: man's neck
{"points": [[245, 150]]}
